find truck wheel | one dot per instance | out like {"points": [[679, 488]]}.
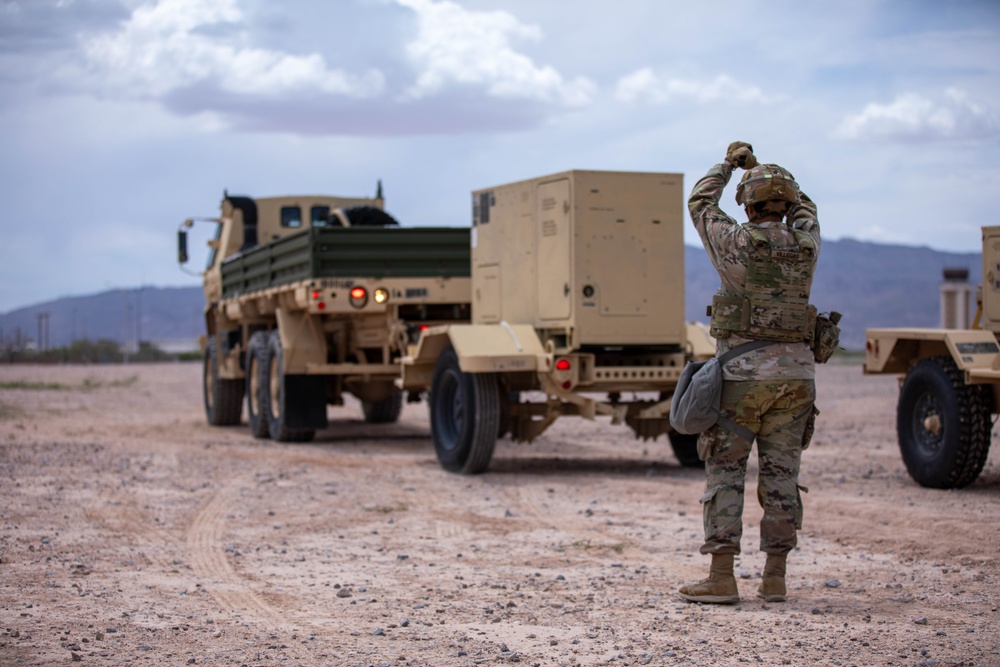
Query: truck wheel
{"points": [[275, 399], [943, 425], [223, 398], [465, 415], [257, 385], [385, 411], [685, 448]]}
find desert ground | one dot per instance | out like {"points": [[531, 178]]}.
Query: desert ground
{"points": [[132, 533]]}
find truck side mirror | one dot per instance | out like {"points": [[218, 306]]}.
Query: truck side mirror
{"points": [[182, 246]]}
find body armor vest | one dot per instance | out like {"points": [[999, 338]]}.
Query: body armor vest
{"points": [[774, 304]]}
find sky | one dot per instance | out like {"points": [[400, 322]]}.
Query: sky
{"points": [[121, 118]]}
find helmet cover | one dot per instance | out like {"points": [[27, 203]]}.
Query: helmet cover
{"points": [[767, 182]]}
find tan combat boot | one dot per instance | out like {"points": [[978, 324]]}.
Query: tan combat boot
{"points": [[772, 589], [719, 588]]}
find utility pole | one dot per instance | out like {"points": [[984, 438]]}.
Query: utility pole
{"points": [[138, 318], [43, 332]]}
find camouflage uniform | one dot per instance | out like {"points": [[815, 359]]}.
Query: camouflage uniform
{"points": [[769, 391]]}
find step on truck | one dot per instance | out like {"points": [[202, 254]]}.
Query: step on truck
{"points": [[949, 385], [564, 297]]}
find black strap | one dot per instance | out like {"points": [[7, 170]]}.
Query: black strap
{"points": [[743, 349], [738, 429]]}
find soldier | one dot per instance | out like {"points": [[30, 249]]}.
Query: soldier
{"points": [[766, 266]]}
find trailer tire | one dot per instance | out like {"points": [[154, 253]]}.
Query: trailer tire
{"points": [[275, 400], [685, 448], [464, 414], [943, 425], [385, 411], [257, 385], [223, 398]]}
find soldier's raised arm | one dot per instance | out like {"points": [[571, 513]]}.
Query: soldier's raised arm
{"points": [[720, 234]]}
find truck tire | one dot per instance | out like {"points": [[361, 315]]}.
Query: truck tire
{"points": [[385, 411], [275, 401], [465, 415], [257, 385], [685, 448], [369, 216], [223, 398], [943, 425]]}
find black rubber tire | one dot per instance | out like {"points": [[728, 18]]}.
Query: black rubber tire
{"points": [[223, 398], [943, 425], [369, 216], [465, 415], [257, 384], [685, 448], [385, 411], [274, 401]]}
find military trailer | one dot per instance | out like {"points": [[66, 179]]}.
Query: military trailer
{"points": [[565, 297], [577, 309], [949, 385], [309, 297]]}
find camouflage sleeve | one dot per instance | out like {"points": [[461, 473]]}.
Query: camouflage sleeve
{"points": [[720, 234], [803, 217]]}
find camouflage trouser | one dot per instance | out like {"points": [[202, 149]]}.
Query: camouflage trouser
{"points": [[777, 411]]}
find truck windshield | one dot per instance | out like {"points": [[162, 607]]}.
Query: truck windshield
{"points": [[318, 216], [291, 216]]}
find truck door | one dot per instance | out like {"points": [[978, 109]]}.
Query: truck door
{"points": [[552, 241]]}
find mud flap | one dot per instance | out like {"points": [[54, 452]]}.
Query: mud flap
{"points": [[305, 402]]}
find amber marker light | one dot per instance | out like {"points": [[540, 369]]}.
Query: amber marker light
{"points": [[359, 297], [381, 295]]}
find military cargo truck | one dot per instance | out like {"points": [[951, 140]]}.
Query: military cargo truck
{"points": [[949, 385], [577, 309], [565, 297], [309, 297]]}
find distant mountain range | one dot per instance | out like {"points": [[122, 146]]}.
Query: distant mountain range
{"points": [[870, 284]]}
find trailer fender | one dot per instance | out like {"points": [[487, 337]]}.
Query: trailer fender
{"points": [[481, 348], [975, 351]]}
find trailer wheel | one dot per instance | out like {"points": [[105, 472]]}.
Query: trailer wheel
{"points": [[685, 448], [943, 425], [275, 397], [465, 415], [223, 398], [257, 385], [385, 411]]}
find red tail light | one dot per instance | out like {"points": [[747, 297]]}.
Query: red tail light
{"points": [[359, 297]]}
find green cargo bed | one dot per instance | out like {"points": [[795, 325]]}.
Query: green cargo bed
{"points": [[350, 252]]}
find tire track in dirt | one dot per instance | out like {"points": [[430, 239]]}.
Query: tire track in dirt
{"points": [[605, 541], [208, 559]]}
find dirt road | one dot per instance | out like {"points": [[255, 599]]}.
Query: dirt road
{"points": [[131, 533]]}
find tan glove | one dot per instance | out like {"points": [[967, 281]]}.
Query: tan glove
{"points": [[740, 154]]}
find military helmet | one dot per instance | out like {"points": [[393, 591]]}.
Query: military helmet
{"points": [[767, 182]]}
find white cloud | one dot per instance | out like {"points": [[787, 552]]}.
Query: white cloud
{"points": [[645, 86], [458, 46], [159, 50], [913, 118]]}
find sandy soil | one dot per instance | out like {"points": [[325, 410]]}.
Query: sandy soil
{"points": [[132, 533]]}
